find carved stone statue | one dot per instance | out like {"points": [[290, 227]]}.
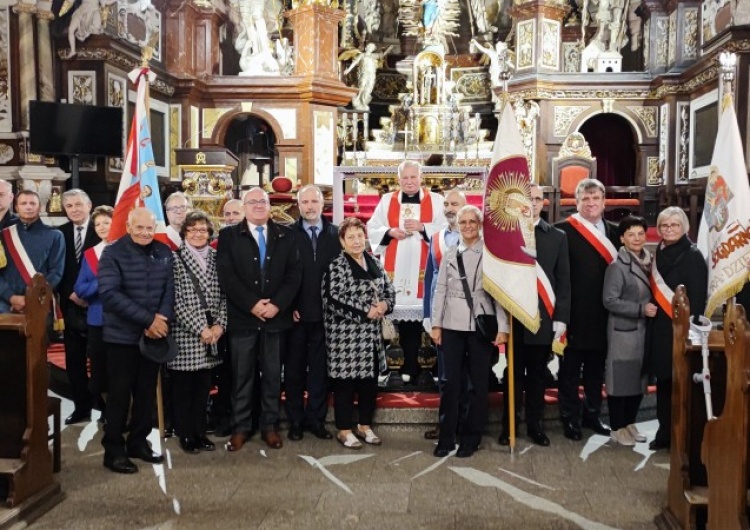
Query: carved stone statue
{"points": [[86, 20], [368, 63], [499, 60], [256, 56]]}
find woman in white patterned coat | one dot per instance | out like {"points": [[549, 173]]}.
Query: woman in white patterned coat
{"points": [[357, 294], [200, 320]]}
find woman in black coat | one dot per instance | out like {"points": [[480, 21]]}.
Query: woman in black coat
{"points": [[679, 262]]}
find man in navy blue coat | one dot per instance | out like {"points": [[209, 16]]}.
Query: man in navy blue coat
{"points": [[136, 285]]}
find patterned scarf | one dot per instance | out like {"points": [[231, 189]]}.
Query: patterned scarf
{"points": [[200, 254]]}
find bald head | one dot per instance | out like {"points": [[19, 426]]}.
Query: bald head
{"points": [[454, 201], [141, 225]]}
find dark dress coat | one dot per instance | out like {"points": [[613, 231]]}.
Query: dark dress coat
{"points": [[679, 264], [353, 340], [73, 313], [626, 292], [588, 317], [552, 256], [308, 301], [245, 284], [9, 219]]}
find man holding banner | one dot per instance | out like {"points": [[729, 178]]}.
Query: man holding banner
{"points": [[593, 246], [533, 349]]}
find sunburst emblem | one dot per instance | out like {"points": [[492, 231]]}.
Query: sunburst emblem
{"points": [[506, 202]]}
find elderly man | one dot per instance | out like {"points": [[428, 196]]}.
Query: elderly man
{"points": [[533, 349], [136, 285], [177, 206], [31, 247], [79, 236], [260, 272], [399, 231], [440, 242], [7, 217], [305, 360], [233, 212], [593, 246]]}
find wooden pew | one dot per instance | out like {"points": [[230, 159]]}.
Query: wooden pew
{"points": [[25, 458], [708, 460]]}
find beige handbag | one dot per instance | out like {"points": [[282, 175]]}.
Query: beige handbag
{"points": [[389, 328]]}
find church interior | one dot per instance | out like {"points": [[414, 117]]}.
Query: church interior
{"points": [[623, 90]]}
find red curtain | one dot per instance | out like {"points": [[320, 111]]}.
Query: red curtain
{"points": [[611, 140]]}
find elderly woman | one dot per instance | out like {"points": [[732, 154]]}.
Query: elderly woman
{"points": [[627, 296], [678, 262], [87, 289], [357, 294], [465, 349], [200, 321]]}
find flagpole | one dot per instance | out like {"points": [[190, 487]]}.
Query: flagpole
{"points": [[511, 397]]}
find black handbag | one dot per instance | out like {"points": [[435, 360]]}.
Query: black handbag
{"points": [[486, 324], [211, 352]]}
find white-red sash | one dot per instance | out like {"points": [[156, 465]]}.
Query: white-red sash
{"points": [[544, 288], [594, 236], [92, 255], [440, 247], [18, 254], [173, 239], [661, 291]]}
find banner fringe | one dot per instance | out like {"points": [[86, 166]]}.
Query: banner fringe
{"points": [[529, 322]]}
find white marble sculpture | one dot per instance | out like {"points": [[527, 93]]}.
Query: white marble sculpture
{"points": [[86, 21], [499, 60], [368, 63], [256, 55]]}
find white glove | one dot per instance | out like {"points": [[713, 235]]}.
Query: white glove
{"points": [[427, 325], [559, 328]]}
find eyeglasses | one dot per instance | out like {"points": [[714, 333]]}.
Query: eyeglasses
{"points": [[177, 209], [670, 226], [197, 231], [256, 202]]}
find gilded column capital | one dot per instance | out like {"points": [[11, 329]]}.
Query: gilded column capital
{"points": [[23, 7]]}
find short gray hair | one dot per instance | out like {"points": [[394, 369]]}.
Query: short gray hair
{"points": [[587, 185], [76, 192], [178, 194], [409, 163], [7, 185], [673, 211], [306, 187], [473, 209], [456, 191], [132, 213], [254, 188]]}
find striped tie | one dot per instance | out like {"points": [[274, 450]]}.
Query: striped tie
{"points": [[79, 242]]}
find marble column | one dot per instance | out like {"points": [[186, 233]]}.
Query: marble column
{"points": [[26, 63], [46, 72]]}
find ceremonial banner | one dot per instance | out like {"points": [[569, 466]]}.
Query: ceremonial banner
{"points": [[724, 235], [509, 261], [139, 185]]}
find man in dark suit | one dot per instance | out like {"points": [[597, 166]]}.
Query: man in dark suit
{"points": [[532, 349], [593, 244], [79, 236], [7, 217], [305, 366], [259, 270]]}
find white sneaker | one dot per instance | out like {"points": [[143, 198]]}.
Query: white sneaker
{"points": [[622, 437], [635, 434], [406, 378]]}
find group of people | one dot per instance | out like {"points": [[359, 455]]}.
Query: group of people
{"points": [[310, 300]]}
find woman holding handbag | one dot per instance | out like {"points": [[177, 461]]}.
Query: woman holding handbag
{"points": [[357, 294], [200, 321], [468, 324]]}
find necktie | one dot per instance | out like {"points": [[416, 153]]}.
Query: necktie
{"points": [[79, 242], [261, 246], [314, 238]]}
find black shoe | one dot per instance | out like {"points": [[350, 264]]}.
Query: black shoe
{"points": [[145, 454], [223, 430], [188, 445], [465, 451], [504, 438], [78, 416], [596, 425], [657, 444], [441, 451], [168, 431], [204, 444], [539, 438], [120, 464], [295, 432], [432, 434], [572, 430], [319, 431]]}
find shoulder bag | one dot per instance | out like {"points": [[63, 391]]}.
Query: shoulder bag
{"points": [[211, 352], [486, 324]]}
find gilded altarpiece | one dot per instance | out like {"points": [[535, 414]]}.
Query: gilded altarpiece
{"points": [[526, 50], [682, 145], [6, 101]]}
